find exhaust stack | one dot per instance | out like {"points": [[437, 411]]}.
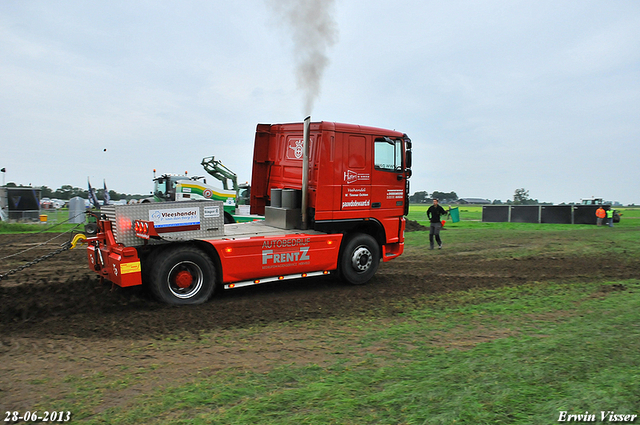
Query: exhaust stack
{"points": [[305, 173]]}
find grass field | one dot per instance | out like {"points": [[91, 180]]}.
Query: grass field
{"points": [[56, 221], [550, 348], [469, 214], [522, 239]]}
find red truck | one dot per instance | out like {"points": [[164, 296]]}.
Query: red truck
{"points": [[333, 196]]}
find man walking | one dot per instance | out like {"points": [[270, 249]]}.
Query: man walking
{"points": [[434, 213]]}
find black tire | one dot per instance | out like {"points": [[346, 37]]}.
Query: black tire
{"points": [[148, 262], [228, 218], [359, 259], [182, 275]]}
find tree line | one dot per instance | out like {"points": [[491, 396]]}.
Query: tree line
{"points": [[66, 192], [422, 197], [520, 197]]}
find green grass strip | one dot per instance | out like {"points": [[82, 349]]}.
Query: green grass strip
{"points": [[567, 348]]}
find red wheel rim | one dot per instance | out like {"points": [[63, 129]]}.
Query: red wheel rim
{"points": [[184, 279]]}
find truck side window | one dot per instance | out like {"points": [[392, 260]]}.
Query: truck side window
{"points": [[388, 154]]}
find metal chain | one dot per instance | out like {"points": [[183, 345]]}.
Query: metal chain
{"points": [[65, 247], [34, 247], [40, 244]]}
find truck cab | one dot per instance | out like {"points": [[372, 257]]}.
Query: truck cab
{"points": [[358, 176]]}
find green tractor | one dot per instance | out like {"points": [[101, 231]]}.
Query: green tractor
{"points": [[175, 187]]}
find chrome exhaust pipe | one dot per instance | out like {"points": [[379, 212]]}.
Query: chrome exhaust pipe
{"points": [[305, 173]]}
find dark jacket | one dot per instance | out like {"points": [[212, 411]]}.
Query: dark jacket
{"points": [[434, 213]]}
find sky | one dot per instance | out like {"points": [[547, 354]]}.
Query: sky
{"points": [[495, 95]]}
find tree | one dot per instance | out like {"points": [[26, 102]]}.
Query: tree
{"points": [[418, 197], [63, 192], [46, 192], [450, 196], [521, 197]]}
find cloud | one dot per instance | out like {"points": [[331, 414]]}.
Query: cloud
{"points": [[495, 95]]}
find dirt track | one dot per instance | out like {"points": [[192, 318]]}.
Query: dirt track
{"points": [[61, 296], [57, 311]]}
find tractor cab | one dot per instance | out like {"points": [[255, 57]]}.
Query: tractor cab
{"points": [[592, 201], [164, 187]]}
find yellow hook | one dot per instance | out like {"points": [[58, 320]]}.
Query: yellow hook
{"points": [[79, 238]]}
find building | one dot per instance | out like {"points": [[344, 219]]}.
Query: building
{"points": [[476, 201]]}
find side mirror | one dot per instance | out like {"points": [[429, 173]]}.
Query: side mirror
{"points": [[407, 143], [407, 159]]}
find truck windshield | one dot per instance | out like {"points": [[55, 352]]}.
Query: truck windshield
{"points": [[388, 154]]}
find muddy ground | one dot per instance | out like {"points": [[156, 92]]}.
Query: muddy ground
{"points": [[57, 320]]}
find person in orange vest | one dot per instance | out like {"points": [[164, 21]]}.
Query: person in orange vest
{"points": [[600, 214]]}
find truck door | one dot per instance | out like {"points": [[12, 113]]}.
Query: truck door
{"points": [[388, 178]]}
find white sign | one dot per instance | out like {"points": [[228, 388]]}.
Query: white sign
{"points": [[175, 217], [352, 177], [296, 149], [212, 211], [395, 193]]}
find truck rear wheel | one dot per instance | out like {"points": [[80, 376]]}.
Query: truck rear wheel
{"points": [[183, 275], [360, 259]]}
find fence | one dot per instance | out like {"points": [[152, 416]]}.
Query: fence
{"points": [[558, 214], [51, 216], [29, 215]]}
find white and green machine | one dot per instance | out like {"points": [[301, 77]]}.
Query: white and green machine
{"points": [[235, 197]]}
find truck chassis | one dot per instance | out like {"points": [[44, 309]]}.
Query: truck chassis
{"points": [[188, 271]]}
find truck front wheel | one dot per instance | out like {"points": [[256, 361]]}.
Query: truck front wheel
{"points": [[183, 275], [360, 259]]}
